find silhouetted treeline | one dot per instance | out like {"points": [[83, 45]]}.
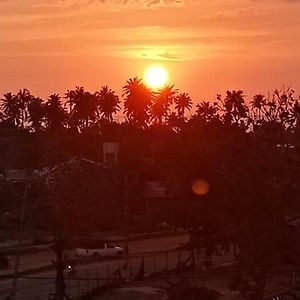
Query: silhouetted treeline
{"points": [[79, 109], [67, 121]]}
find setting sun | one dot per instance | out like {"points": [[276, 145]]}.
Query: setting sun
{"points": [[156, 76]]}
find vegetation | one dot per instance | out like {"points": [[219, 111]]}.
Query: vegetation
{"points": [[246, 152]]}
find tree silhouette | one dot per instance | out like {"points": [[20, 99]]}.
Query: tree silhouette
{"points": [[183, 102], [83, 107], [108, 103], [207, 112], [55, 114], [162, 101], [36, 113], [137, 101], [234, 107], [175, 122], [24, 98], [258, 103], [10, 107]]}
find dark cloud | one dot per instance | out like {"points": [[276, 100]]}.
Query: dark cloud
{"points": [[162, 56]]}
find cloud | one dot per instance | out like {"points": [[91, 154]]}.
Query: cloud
{"points": [[147, 3], [112, 3]]}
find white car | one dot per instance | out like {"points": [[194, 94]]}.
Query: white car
{"points": [[97, 249]]}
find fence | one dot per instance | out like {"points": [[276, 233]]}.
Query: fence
{"points": [[136, 268], [91, 277]]}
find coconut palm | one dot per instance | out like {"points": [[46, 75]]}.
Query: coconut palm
{"points": [[258, 103], [36, 113], [183, 102], [137, 101], [108, 103], [24, 98], [207, 111], [161, 103], [83, 107], [11, 109], [234, 105], [55, 114]]}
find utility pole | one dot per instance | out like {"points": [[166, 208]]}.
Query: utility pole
{"points": [[126, 198], [20, 237]]}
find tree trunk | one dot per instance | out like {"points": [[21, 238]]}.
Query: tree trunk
{"points": [[60, 283]]}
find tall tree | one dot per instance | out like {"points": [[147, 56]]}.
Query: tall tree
{"points": [[137, 101], [162, 101], [55, 114], [108, 103], [182, 102], [36, 113], [258, 105], [83, 107], [10, 107], [207, 112], [235, 109], [24, 98]]}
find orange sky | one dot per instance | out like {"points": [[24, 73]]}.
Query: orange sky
{"points": [[208, 46]]}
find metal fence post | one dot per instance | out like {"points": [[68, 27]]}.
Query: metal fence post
{"points": [[107, 274], [87, 281], [154, 263], [97, 276], [167, 260], [78, 288], [179, 260], [130, 269]]}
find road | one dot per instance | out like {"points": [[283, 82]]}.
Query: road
{"points": [[44, 258], [86, 275]]}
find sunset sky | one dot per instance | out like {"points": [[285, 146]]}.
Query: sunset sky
{"points": [[207, 46]]}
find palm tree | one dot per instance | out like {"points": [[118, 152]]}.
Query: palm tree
{"points": [[234, 105], [55, 114], [36, 113], [24, 98], [258, 102], [11, 109], [108, 103], [183, 102], [137, 101], [162, 102], [72, 97], [207, 111], [83, 107]]}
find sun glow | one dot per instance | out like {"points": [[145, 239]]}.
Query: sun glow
{"points": [[156, 76]]}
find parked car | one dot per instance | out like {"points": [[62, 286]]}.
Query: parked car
{"points": [[97, 248], [4, 262]]}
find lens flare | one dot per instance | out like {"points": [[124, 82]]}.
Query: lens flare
{"points": [[200, 187]]}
